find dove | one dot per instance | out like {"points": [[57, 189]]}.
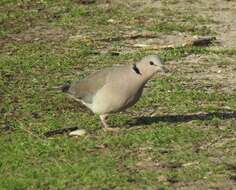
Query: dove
{"points": [[114, 89]]}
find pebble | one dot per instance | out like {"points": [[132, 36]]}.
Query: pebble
{"points": [[78, 132]]}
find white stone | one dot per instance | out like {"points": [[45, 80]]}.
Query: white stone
{"points": [[78, 132]]}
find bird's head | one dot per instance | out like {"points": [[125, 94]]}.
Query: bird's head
{"points": [[149, 65]]}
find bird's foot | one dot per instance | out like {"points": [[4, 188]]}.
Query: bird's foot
{"points": [[111, 129]]}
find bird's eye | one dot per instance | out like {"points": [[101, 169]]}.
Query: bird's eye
{"points": [[151, 63]]}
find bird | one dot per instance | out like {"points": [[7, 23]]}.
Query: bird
{"points": [[114, 89]]}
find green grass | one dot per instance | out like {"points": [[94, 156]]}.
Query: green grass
{"points": [[176, 147]]}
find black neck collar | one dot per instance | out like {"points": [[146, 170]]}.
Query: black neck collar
{"points": [[136, 69]]}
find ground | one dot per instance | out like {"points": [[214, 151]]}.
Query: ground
{"points": [[180, 135]]}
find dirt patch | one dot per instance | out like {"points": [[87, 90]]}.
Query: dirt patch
{"points": [[222, 12], [38, 33], [207, 71], [222, 183], [213, 72]]}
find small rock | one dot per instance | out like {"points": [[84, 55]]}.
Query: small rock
{"points": [[111, 20], [78, 132]]}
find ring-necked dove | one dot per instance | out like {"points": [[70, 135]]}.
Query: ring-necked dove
{"points": [[114, 89]]}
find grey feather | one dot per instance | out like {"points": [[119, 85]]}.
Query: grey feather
{"points": [[86, 88]]}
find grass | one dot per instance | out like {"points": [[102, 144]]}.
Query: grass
{"points": [[178, 147]]}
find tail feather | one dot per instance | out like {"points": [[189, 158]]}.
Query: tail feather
{"points": [[65, 88]]}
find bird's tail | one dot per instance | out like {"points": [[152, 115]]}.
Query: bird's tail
{"points": [[64, 88]]}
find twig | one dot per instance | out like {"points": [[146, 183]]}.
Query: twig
{"points": [[153, 46], [200, 41], [196, 41], [85, 2], [130, 36]]}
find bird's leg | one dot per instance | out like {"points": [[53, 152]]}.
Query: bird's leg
{"points": [[105, 125], [103, 120]]}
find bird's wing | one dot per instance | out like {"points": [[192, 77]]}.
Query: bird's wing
{"points": [[87, 88]]}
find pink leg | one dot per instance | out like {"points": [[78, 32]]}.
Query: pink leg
{"points": [[105, 125]]}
